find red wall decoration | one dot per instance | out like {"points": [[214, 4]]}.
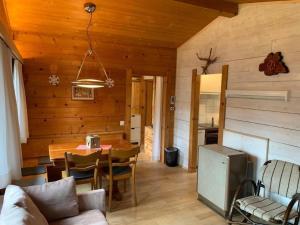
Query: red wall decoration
{"points": [[273, 64]]}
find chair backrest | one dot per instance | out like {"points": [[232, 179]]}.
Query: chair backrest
{"points": [[124, 154], [281, 177], [123, 157], [75, 161]]}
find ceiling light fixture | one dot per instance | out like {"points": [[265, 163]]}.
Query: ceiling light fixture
{"points": [[92, 83]]}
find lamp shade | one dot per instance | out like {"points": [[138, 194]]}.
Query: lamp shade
{"points": [[89, 83]]}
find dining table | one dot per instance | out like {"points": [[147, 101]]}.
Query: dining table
{"points": [[57, 156], [57, 151]]}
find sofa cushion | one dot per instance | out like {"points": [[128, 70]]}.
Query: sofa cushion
{"points": [[18, 208], [56, 200], [90, 217]]}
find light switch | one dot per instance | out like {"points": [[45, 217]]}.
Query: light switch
{"points": [[122, 123]]}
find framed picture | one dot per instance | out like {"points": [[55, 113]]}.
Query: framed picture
{"points": [[80, 93]]}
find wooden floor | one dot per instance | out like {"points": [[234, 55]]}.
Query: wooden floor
{"points": [[165, 196]]}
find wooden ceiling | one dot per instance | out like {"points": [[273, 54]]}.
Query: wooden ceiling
{"points": [[156, 23], [160, 23]]}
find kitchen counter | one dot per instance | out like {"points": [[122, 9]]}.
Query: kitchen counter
{"points": [[207, 126]]}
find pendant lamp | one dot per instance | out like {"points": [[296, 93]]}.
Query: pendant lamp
{"points": [[92, 82]]}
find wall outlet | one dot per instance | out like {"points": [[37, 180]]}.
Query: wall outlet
{"points": [[122, 123]]}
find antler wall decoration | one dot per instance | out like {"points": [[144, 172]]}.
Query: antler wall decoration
{"points": [[208, 60]]}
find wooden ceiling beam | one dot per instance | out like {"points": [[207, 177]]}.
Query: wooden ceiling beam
{"points": [[228, 9]]}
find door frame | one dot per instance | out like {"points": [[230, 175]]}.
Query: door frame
{"points": [[167, 120], [194, 115]]}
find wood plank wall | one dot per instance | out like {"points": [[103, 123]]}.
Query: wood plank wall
{"points": [[53, 116], [5, 31], [243, 42]]}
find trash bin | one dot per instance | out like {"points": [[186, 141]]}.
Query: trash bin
{"points": [[171, 156]]}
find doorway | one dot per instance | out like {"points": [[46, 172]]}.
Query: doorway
{"points": [[146, 115], [207, 115]]}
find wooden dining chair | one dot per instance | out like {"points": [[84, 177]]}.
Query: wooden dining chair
{"points": [[121, 166], [84, 168]]}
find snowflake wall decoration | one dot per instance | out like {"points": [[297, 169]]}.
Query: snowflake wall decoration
{"points": [[53, 80], [110, 82]]}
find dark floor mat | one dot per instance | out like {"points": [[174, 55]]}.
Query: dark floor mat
{"points": [[44, 160], [28, 171]]}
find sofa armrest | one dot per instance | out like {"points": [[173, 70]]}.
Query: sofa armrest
{"points": [[92, 200]]}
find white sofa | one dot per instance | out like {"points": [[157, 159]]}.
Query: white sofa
{"points": [[54, 203]]}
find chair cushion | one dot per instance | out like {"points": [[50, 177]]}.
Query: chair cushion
{"points": [[18, 209], [118, 170], [91, 217], [56, 200], [264, 208], [81, 175]]}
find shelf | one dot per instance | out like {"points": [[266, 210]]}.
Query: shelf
{"points": [[269, 95]]}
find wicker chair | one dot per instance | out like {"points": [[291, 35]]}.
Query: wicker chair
{"points": [[277, 177]]}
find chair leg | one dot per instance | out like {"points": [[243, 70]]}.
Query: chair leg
{"points": [[124, 183], [110, 194], [230, 215], [99, 182], [92, 185], [133, 190]]}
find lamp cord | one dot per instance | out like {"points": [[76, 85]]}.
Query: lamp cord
{"points": [[90, 51], [87, 32]]}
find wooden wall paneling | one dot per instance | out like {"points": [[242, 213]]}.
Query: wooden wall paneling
{"points": [[256, 147], [148, 102], [142, 108], [268, 118], [222, 111], [171, 114], [168, 114], [292, 106], [128, 103], [276, 134], [194, 120], [284, 152], [164, 119], [136, 96]]}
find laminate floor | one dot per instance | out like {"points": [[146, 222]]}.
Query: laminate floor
{"points": [[166, 196]]}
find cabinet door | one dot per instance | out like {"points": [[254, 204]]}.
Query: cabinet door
{"points": [[136, 120], [201, 137], [135, 135], [212, 177]]}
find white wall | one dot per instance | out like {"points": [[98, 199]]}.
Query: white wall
{"points": [[243, 42], [209, 108]]}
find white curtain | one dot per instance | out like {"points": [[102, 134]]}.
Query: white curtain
{"points": [[21, 101], [157, 120], [10, 146]]}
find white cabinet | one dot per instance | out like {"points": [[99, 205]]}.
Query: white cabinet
{"points": [[201, 137], [135, 133], [220, 170]]}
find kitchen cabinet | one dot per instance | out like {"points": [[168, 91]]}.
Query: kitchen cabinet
{"points": [[201, 137], [135, 132]]}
